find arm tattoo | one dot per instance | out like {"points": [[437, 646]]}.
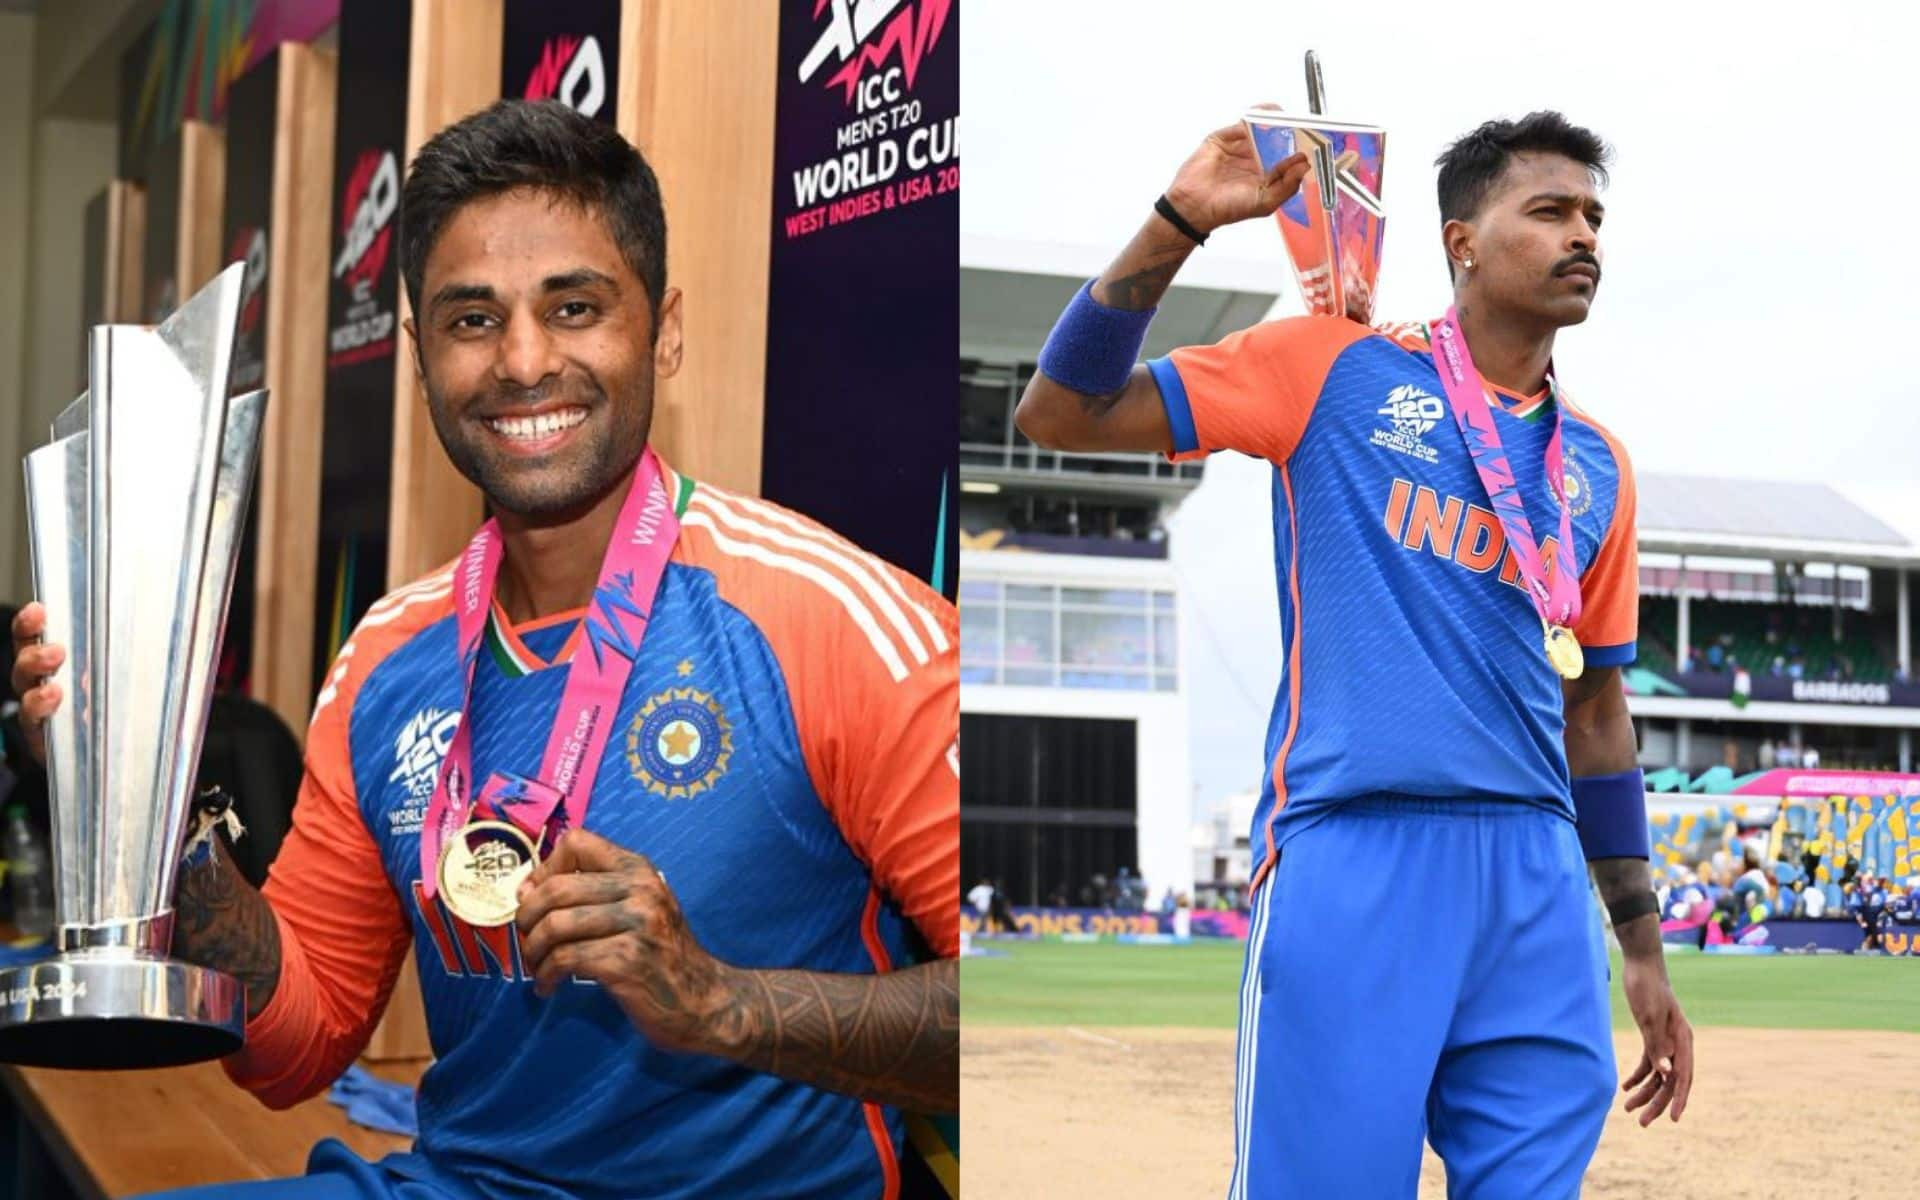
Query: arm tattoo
{"points": [[1139, 290], [220, 921], [1617, 879], [892, 1039]]}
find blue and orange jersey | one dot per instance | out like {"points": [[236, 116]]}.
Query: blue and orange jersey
{"points": [[1413, 660], [784, 752]]}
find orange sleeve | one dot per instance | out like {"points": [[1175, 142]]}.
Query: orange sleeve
{"points": [[1252, 391], [1609, 625], [871, 660], [885, 752], [343, 933]]}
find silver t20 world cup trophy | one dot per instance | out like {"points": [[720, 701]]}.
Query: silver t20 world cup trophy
{"points": [[135, 510], [1335, 225]]}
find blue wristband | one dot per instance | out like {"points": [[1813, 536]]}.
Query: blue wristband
{"points": [[1092, 348], [1611, 812]]}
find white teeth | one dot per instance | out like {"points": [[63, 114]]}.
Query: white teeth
{"points": [[545, 424]]}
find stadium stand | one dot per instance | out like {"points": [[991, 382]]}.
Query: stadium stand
{"points": [[1769, 639], [1753, 563], [1711, 852]]}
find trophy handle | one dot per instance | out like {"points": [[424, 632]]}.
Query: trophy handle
{"points": [[1316, 86], [1323, 170]]}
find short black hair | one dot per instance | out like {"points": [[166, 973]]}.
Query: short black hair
{"points": [[1471, 165], [540, 144]]}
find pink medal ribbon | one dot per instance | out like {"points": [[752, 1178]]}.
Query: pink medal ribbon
{"points": [[616, 621], [1557, 600]]}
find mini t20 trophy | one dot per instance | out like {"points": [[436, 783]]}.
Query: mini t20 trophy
{"points": [[1333, 226]]}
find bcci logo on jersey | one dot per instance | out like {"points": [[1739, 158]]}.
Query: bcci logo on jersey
{"points": [[1579, 492], [1413, 413], [680, 743]]}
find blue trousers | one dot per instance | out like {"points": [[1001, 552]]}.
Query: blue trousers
{"points": [[337, 1173], [1423, 968]]}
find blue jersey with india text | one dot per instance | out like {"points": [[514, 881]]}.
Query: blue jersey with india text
{"points": [[1414, 661]]}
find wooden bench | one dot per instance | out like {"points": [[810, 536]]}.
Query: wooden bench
{"points": [[122, 1133]]}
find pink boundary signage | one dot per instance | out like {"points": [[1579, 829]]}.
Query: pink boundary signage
{"points": [[1788, 782]]}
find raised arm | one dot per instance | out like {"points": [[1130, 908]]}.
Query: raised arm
{"points": [[1090, 393], [1057, 416]]}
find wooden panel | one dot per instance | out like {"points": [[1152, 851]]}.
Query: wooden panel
{"points": [[203, 191], [455, 69], [633, 108], [289, 495], [696, 95], [126, 235], [126, 1133]]}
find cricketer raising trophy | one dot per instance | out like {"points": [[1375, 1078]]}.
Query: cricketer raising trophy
{"points": [[135, 511], [1334, 225]]}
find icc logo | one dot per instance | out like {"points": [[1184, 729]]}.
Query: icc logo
{"points": [[1412, 411], [863, 34], [573, 71]]}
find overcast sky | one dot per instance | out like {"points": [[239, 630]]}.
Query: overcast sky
{"points": [[1759, 303]]}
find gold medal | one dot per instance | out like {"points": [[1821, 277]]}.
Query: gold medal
{"points": [[480, 872], [1563, 651]]}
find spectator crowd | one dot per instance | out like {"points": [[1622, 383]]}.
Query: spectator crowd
{"points": [[1807, 878]]}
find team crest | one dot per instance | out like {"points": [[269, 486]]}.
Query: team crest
{"points": [[1579, 495], [680, 743]]}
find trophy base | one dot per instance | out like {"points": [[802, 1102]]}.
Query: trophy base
{"points": [[117, 1012]]}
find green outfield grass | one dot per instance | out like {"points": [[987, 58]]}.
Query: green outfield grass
{"points": [[1197, 985]]}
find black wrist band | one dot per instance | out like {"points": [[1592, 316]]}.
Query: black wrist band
{"points": [[1165, 208], [1632, 908]]}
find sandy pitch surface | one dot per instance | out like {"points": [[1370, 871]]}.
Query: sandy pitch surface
{"points": [[1109, 1114]]}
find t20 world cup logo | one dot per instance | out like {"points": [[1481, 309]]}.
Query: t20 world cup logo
{"points": [[367, 207], [862, 36], [573, 71], [368, 204]]}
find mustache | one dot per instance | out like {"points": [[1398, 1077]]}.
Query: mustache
{"points": [[1577, 258], [505, 398]]}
